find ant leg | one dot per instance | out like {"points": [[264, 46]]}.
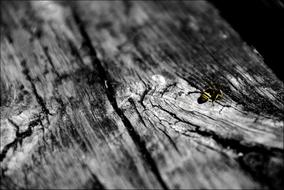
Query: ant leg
{"points": [[192, 92], [228, 106]]}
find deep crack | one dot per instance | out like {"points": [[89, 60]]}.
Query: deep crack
{"points": [[110, 92], [34, 90], [19, 139], [245, 150]]}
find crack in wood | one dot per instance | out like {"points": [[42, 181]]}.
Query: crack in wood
{"points": [[143, 122], [19, 139], [235, 144], [96, 183], [139, 45], [110, 92], [39, 99], [21, 136]]}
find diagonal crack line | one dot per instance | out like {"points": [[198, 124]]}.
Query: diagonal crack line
{"points": [[97, 184], [238, 146], [167, 88], [145, 92], [110, 92], [135, 108], [16, 126], [174, 115], [234, 144], [38, 97], [143, 122], [169, 138]]}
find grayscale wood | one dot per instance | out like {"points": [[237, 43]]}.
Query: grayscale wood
{"points": [[103, 94]]}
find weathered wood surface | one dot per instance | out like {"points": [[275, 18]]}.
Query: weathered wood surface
{"points": [[96, 94]]}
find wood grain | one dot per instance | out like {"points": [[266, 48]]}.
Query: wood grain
{"points": [[103, 94]]}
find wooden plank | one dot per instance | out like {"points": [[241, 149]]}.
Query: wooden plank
{"points": [[167, 41], [103, 94], [76, 138]]}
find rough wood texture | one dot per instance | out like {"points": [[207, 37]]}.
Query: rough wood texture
{"points": [[100, 94]]}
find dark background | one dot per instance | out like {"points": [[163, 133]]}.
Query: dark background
{"points": [[261, 24]]}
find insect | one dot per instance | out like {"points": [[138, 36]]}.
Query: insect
{"points": [[210, 94]]}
